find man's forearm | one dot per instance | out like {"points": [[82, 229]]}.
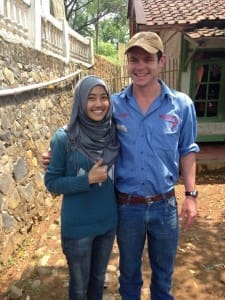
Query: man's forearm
{"points": [[188, 170]]}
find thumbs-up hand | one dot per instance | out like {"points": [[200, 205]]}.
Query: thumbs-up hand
{"points": [[98, 173]]}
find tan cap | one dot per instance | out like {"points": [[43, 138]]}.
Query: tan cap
{"points": [[147, 40]]}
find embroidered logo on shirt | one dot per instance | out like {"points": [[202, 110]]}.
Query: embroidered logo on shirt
{"points": [[123, 115], [172, 119], [121, 127]]}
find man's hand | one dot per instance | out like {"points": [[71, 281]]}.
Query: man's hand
{"points": [[46, 159], [188, 212], [98, 173]]}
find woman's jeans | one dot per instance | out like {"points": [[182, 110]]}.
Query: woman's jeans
{"points": [[87, 259], [158, 221]]}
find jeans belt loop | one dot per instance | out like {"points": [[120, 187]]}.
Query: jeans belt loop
{"points": [[129, 197]]}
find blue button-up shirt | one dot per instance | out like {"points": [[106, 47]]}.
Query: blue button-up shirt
{"points": [[152, 143]]}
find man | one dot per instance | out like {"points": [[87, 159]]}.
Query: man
{"points": [[157, 131]]}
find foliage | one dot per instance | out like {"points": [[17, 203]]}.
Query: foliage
{"points": [[83, 13], [102, 20], [108, 51], [113, 31]]}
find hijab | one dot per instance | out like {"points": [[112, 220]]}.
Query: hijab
{"points": [[94, 139]]}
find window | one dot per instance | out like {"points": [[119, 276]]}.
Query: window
{"points": [[209, 73]]}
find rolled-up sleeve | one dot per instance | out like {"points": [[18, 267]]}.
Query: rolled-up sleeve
{"points": [[188, 134]]}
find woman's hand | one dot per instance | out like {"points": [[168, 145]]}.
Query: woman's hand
{"points": [[98, 173]]}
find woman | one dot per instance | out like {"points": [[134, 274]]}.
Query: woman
{"points": [[81, 168]]}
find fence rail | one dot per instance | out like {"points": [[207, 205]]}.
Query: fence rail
{"points": [[39, 86], [170, 74], [30, 23]]}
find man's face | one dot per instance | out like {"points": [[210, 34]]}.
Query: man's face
{"points": [[143, 67]]}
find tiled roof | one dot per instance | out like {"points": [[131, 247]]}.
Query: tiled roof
{"points": [[206, 32], [180, 12]]}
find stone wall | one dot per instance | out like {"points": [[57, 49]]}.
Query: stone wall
{"points": [[27, 122]]}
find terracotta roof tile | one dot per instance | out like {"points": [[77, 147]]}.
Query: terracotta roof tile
{"points": [[206, 32], [162, 12]]}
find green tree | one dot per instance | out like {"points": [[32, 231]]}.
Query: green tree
{"points": [[113, 31], [91, 11], [101, 19]]}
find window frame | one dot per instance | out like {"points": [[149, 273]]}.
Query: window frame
{"points": [[221, 99]]}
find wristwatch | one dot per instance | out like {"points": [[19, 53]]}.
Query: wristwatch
{"points": [[193, 194]]}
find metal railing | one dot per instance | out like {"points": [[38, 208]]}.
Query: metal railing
{"points": [[42, 85]]}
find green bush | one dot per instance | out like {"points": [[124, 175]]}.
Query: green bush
{"points": [[108, 51]]}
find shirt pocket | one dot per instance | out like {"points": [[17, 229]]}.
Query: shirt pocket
{"points": [[163, 136]]}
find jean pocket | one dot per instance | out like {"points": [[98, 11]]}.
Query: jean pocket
{"points": [[172, 201]]}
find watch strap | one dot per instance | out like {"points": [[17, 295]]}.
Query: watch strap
{"points": [[193, 194]]}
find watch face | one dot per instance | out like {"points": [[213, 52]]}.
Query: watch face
{"points": [[192, 194]]}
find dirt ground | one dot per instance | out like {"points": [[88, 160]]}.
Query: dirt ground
{"points": [[200, 264]]}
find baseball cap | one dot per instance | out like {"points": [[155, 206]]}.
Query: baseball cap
{"points": [[147, 40]]}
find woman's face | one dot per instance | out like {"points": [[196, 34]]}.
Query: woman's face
{"points": [[98, 103]]}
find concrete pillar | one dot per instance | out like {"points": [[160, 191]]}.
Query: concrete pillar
{"points": [[45, 4], [66, 41], [34, 21], [2, 4]]}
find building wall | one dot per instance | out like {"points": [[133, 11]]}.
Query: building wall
{"points": [[181, 80], [172, 48]]}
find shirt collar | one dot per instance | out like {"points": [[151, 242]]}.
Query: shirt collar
{"points": [[127, 92], [166, 93]]}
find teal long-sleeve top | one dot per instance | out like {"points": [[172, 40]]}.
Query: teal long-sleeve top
{"points": [[87, 209]]}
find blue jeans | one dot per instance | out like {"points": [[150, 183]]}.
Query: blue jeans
{"points": [[87, 259], [158, 222]]}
